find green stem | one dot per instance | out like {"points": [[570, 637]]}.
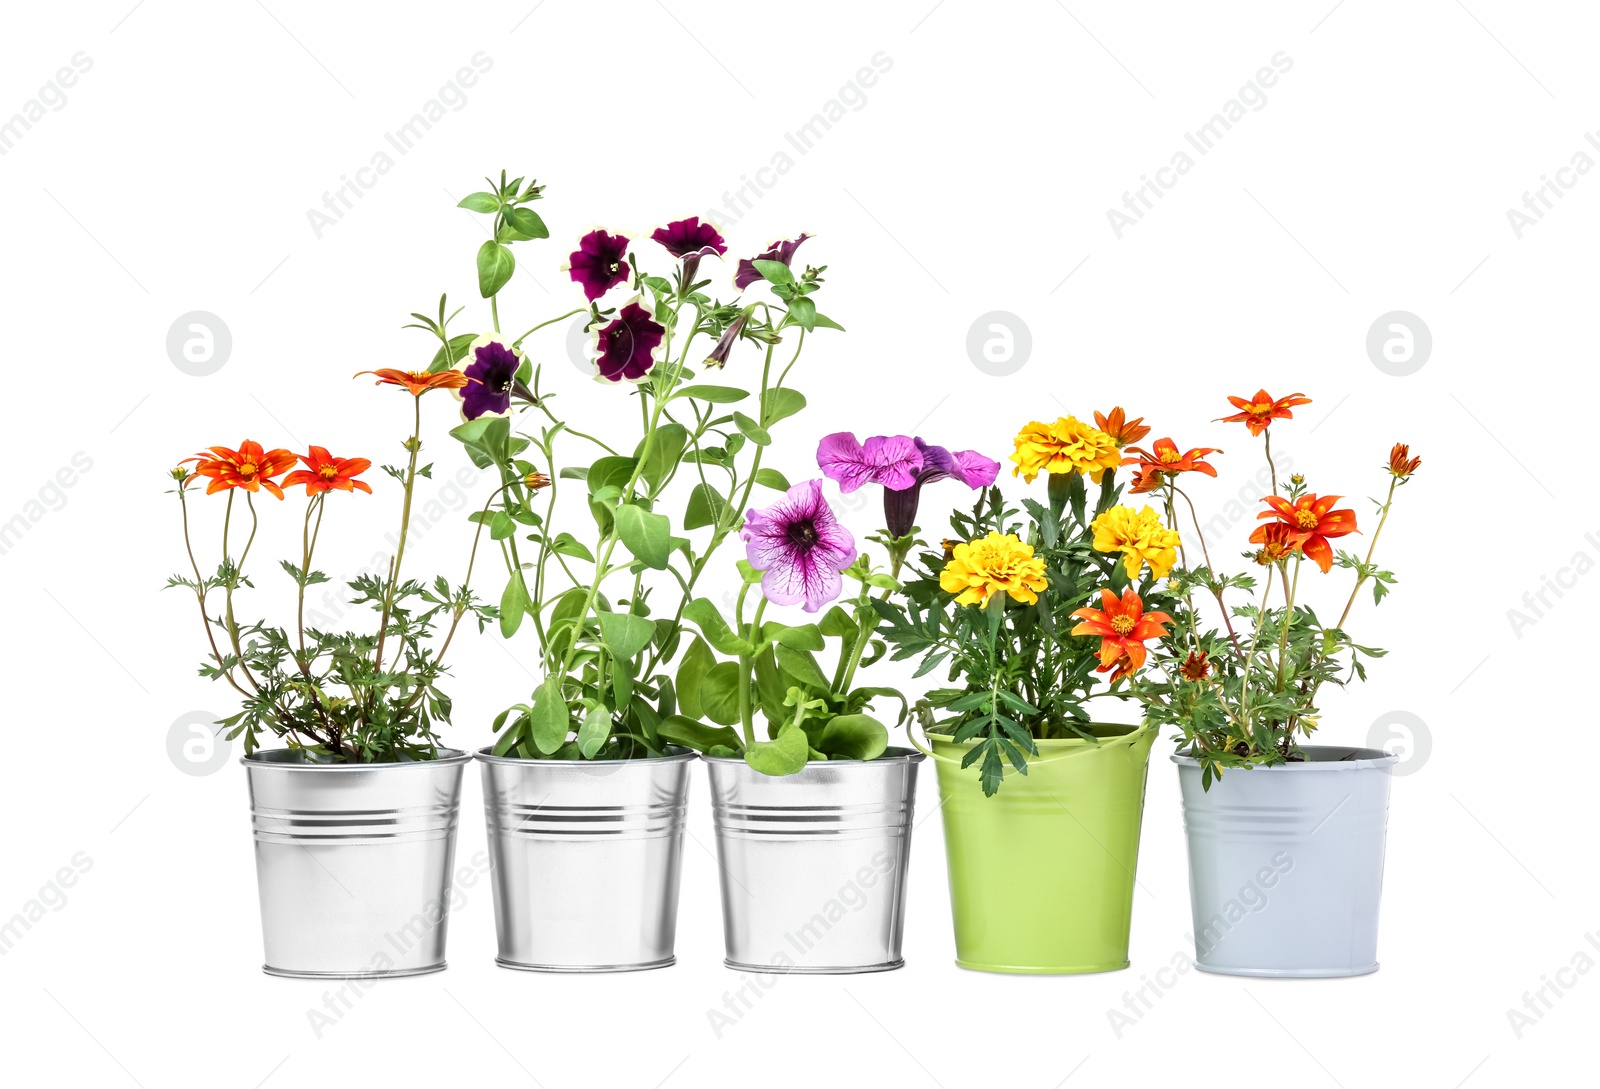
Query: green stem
{"points": [[751, 634], [415, 445], [570, 313]]}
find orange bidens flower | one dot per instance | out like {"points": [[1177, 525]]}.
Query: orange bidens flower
{"points": [[249, 467], [1120, 428], [326, 473], [1196, 667], [1311, 522], [418, 382], [1259, 411], [1123, 627], [1276, 540], [1163, 457], [1399, 464]]}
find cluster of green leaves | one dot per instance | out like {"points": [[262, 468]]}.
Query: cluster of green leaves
{"points": [[514, 221], [607, 600], [1254, 700], [810, 713], [1022, 675]]}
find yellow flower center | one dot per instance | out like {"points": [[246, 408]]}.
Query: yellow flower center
{"points": [[1259, 410], [1306, 519], [328, 472], [247, 469], [1169, 456], [1122, 625]]}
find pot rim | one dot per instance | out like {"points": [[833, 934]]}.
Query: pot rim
{"points": [[276, 759], [1124, 730], [890, 755], [675, 754], [1369, 758]]}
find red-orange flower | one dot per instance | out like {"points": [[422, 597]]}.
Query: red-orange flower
{"points": [[1401, 465], [1196, 667], [325, 473], [1120, 428], [418, 382], [249, 467], [1123, 627], [1277, 540], [1311, 521], [1163, 457], [1258, 412]]}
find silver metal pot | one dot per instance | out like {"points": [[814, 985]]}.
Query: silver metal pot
{"points": [[584, 857], [1286, 863], [353, 863], [814, 864]]}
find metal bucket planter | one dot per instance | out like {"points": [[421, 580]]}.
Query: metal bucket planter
{"points": [[1042, 874], [814, 864], [584, 859], [1286, 863], [353, 862]]}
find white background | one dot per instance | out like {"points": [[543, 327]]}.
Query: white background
{"points": [[974, 176]]}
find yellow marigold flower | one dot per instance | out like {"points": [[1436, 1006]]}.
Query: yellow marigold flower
{"points": [[1140, 537], [1067, 446], [980, 568]]}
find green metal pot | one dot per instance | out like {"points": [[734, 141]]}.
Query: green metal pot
{"points": [[1041, 874]]}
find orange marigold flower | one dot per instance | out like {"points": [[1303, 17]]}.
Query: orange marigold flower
{"points": [[1399, 464], [326, 473], [1258, 412], [1163, 457], [249, 467], [1311, 521], [418, 382], [1276, 540], [1119, 427], [1196, 667], [1122, 626]]}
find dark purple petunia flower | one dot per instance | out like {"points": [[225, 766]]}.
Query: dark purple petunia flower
{"points": [[730, 335], [690, 238], [902, 465], [799, 547], [598, 263], [627, 343], [747, 273], [494, 366]]}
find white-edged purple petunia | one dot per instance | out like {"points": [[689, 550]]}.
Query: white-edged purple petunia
{"points": [[799, 547]]}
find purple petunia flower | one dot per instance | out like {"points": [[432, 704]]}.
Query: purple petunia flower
{"points": [[690, 238], [799, 547], [494, 366], [747, 272], [902, 465], [627, 343], [598, 263]]}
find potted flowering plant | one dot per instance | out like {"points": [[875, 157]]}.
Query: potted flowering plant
{"points": [[606, 532], [355, 817], [1041, 802], [1286, 838]]}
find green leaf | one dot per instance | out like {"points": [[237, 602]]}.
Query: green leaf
{"points": [[804, 312], [550, 720], [526, 222], [501, 526], [823, 322], [595, 730], [721, 395], [568, 545], [719, 693], [751, 430], [647, 535], [692, 668], [705, 616], [784, 755], [670, 439], [479, 202], [771, 478], [624, 634], [513, 605], [802, 667], [854, 737], [780, 404], [801, 637], [774, 272], [458, 349], [697, 735], [705, 507], [495, 266]]}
